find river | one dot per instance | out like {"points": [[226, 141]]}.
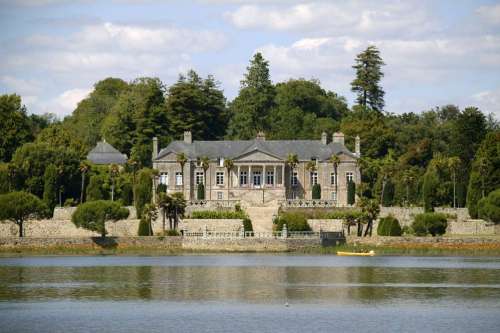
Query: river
{"points": [[249, 293]]}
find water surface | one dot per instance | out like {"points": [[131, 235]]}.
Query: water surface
{"points": [[249, 293]]}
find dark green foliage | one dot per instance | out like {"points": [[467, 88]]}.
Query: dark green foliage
{"points": [[92, 215], [468, 131], [200, 192], [126, 193], [351, 193], [489, 207], [388, 197], [430, 185], [15, 127], [197, 105], [218, 214], [429, 223], [368, 75], [143, 189], [316, 191], [32, 159], [5, 184], [20, 206], [144, 228], [172, 233], [389, 226], [95, 189], [50, 189], [250, 109], [247, 224], [294, 222], [485, 172], [161, 188]]}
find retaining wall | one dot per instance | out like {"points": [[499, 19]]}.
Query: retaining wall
{"points": [[223, 225], [326, 225], [492, 242]]}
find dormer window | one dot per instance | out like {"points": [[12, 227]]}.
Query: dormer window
{"points": [[221, 161], [198, 162]]}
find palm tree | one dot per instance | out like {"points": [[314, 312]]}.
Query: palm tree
{"points": [[163, 202], [228, 164], [84, 168], [370, 209], [453, 165], [113, 172], [205, 164], [335, 160], [292, 160], [176, 208], [408, 179], [182, 160]]}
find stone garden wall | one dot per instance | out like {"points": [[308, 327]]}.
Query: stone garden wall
{"points": [[325, 225], [223, 225]]}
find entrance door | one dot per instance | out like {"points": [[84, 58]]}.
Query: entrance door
{"points": [[257, 178]]}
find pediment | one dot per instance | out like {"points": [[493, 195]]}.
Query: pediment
{"points": [[257, 155]]}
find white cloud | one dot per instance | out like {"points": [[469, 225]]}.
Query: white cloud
{"points": [[65, 103], [490, 13], [488, 101], [339, 18]]}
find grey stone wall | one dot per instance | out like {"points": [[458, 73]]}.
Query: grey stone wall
{"points": [[406, 215], [223, 225], [430, 241], [248, 244], [472, 227], [325, 225]]}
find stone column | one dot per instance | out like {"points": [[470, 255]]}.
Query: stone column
{"points": [[283, 175], [263, 179], [275, 176], [239, 183], [250, 180]]}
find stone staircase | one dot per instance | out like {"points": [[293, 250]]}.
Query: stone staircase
{"points": [[262, 217]]}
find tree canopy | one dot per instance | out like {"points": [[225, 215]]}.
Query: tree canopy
{"points": [[20, 206], [93, 215]]}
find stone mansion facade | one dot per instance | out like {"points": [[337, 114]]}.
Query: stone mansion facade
{"points": [[259, 172]]}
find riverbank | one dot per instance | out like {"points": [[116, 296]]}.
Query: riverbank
{"points": [[160, 246]]}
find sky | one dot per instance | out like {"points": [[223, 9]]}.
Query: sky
{"points": [[436, 52]]}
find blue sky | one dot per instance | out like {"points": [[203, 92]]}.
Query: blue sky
{"points": [[436, 52]]}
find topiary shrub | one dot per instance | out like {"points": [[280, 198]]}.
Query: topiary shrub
{"points": [[389, 226], [200, 192], [429, 223], [316, 192], [489, 207], [247, 224], [351, 193], [93, 215], [294, 222]]}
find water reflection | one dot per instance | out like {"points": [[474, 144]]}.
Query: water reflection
{"points": [[251, 284]]}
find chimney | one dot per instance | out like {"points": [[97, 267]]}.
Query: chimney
{"points": [[357, 146], [261, 136], [155, 147], [188, 138], [338, 137], [324, 138]]}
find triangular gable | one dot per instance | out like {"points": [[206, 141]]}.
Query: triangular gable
{"points": [[257, 154]]}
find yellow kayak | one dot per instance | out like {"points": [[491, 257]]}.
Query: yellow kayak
{"points": [[366, 254]]}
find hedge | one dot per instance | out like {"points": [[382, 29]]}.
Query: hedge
{"points": [[389, 226], [429, 223], [293, 221]]}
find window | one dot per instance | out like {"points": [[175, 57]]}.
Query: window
{"points": [[349, 177], [294, 179], [178, 178], [220, 195], [243, 178], [333, 178], [257, 178], [199, 178], [221, 161], [198, 162], [270, 177], [164, 178], [314, 178], [334, 196], [219, 178]]}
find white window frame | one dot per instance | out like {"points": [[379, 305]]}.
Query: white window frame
{"points": [[219, 178], [178, 179], [333, 178], [314, 178], [220, 195], [164, 178], [294, 178], [199, 178], [334, 196], [243, 178], [269, 177], [349, 176]]}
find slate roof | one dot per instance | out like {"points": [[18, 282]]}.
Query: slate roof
{"points": [[104, 153], [304, 149]]}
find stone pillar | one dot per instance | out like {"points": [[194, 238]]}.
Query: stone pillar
{"points": [[283, 175], [250, 179], [154, 189], [263, 179], [238, 177], [324, 138], [155, 147], [284, 232], [275, 176]]}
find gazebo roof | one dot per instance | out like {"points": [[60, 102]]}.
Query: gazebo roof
{"points": [[104, 153]]}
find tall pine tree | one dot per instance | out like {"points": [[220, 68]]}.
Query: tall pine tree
{"points": [[251, 108], [367, 82]]}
